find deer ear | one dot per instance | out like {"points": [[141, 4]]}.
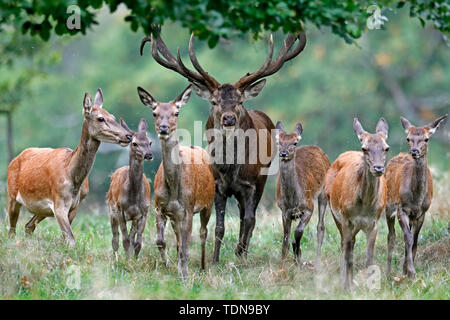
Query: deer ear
{"points": [[405, 124], [142, 125], [298, 130], [183, 98], [358, 128], [253, 91], [87, 103], [124, 125], [201, 90], [279, 126], [435, 124], [98, 99], [382, 128], [146, 98]]}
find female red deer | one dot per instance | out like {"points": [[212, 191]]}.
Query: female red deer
{"points": [[184, 183], [244, 179], [300, 182], [410, 190], [128, 197], [356, 190], [52, 182]]}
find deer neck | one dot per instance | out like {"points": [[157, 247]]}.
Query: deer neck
{"points": [[135, 174], [369, 187], [170, 150], [83, 158], [420, 174], [292, 191]]}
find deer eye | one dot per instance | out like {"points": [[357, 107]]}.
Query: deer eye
{"points": [[155, 114], [134, 144], [101, 119], [176, 114]]}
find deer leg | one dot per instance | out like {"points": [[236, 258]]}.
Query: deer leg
{"points": [[186, 229], [125, 238], [72, 214], [140, 232], [31, 225], [408, 265], [390, 219], [205, 214], [61, 213], [133, 231], [13, 211], [298, 234], [347, 258], [287, 221], [249, 225], [322, 204], [241, 205], [220, 202], [177, 229], [115, 233], [417, 227], [371, 236], [160, 242]]}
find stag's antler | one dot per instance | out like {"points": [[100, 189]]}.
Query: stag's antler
{"points": [[168, 61], [270, 67]]}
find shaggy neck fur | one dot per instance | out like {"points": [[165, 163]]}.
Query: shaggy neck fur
{"points": [[172, 164], [83, 158]]}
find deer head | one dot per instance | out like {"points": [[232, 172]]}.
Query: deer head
{"points": [[226, 99], [140, 143], [165, 113], [102, 125], [287, 143], [373, 146], [418, 137]]}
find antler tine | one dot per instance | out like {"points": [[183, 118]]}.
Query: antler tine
{"points": [[249, 78], [164, 57], [143, 42], [213, 83], [194, 76], [282, 57]]}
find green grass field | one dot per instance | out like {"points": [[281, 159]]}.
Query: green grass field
{"points": [[42, 267]]}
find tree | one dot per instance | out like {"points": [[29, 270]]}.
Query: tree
{"points": [[215, 19]]}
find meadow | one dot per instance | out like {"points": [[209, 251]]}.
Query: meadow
{"points": [[43, 267]]}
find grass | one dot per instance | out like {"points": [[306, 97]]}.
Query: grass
{"points": [[43, 267]]}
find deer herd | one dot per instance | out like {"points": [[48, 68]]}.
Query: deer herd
{"points": [[358, 186]]}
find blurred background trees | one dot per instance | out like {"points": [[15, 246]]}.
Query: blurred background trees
{"points": [[402, 69]]}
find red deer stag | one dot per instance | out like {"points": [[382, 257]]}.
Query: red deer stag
{"points": [[239, 176], [52, 182], [300, 182], [128, 197], [184, 183], [356, 190], [410, 190]]}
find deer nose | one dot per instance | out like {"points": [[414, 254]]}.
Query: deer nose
{"points": [[164, 129], [283, 154], [229, 120], [414, 152], [378, 169], [129, 137], [148, 156]]}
